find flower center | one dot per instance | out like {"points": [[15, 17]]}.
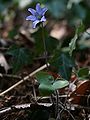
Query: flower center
{"points": [[39, 17]]}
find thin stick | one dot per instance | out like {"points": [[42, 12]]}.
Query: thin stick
{"points": [[24, 79], [22, 106], [10, 76], [34, 92], [57, 101]]}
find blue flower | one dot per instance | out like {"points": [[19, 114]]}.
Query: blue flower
{"points": [[37, 15]]}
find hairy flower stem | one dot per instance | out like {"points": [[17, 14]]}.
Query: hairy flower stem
{"points": [[45, 48]]}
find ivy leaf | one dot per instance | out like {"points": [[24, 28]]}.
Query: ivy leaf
{"points": [[20, 57], [66, 65], [60, 84], [63, 64], [83, 72], [54, 61]]}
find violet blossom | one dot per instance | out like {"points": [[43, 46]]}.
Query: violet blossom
{"points": [[37, 15]]}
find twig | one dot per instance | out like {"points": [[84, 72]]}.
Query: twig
{"points": [[57, 101], [80, 107], [48, 97], [10, 76], [34, 92], [22, 106], [24, 79], [71, 114], [60, 113]]}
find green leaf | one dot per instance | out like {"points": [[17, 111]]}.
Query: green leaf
{"points": [[20, 57], [54, 61], [72, 44], [46, 89], [44, 77], [45, 81], [80, 29], [63, 64], [83, 72], [60, 84], [66, 65], [47, 84]]}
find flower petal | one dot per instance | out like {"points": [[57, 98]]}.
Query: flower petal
{"points": [[43, 19], [31, 17], [38, 8], [35, 23], [32, 11], [44, 10]]}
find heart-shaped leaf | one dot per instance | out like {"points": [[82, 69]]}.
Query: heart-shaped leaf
{"points": [[46, 89], [44, 77], [60, 84], [47, 83]]}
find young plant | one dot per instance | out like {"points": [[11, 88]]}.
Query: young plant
{"points": [[47, 83]]}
